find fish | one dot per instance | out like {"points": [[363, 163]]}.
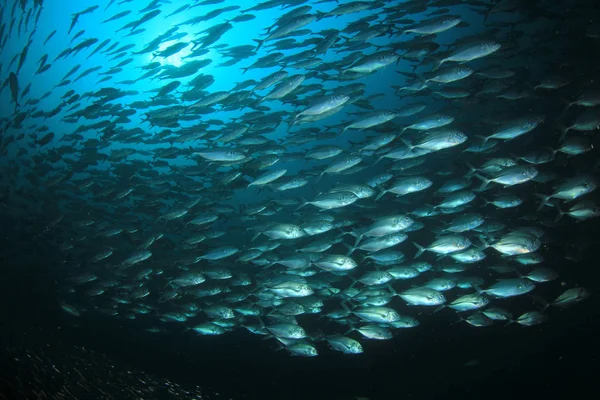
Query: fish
{"points": [[470, 52], [311, 172], [13, 82]]}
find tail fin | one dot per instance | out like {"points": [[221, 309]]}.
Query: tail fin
{"points": [[352, 328], [421, 250], [350, 248], [485, 180], [544, 200], [260, 43], [472, 170], [407, 144], [437, 65], [545, 304], [484, 139], [567, 107], [484, 242], [345, 306], [304, 202], [358, 239], [380, 195], [560, 213], [392, 290], [256, 235], [563, 132], [321, 15]]}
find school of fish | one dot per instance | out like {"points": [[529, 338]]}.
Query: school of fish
{"points": [[412, 161]]}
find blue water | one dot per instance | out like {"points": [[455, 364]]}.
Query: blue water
{"points": [[439, 359]]}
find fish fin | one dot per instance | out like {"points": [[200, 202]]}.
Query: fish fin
{"points": [[262, 323], [538, 299], [483, 241], [544, 200], [392, 290], [484, 139], [519, 273], [485, 181], [563, 132], [380, 195], [260, 43], [440, 308], [560, 213], [567, 107], [472, 169], [420, 251], [352, 328], [321, 15], [437, 65], [358, 238], [407, 144], [350, 248], [304, 202], [345, 306]]}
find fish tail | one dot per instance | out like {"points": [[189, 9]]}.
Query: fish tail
{"points": [[483, 241], [407, 144], [358, 239], [563, 132], [321, 15], [380, 195], [472, 169], [256, 235], [484, 139], [260, 43], [544, 303], [567, 107], [543, 201], [485, 181], [350, 248], [420, 248], [304, 202], [352, 328], [392, 290], [560, 213]]}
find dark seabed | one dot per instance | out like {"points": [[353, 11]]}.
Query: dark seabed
{"points": [[298, 199]]}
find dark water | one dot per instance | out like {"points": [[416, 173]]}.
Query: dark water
{"points": [[556, 359]]}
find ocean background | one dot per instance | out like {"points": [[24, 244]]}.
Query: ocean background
{"points": [[438, 359]]}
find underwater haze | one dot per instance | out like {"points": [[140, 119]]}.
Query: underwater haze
{"points": [[299, 199]]}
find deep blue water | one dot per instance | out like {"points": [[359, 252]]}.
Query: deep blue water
{"points": [[440, 358]]}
